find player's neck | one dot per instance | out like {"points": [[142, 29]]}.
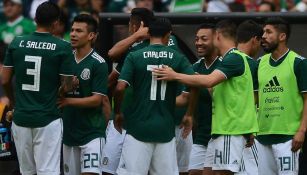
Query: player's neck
{"points": [[210, 59], [42, 29], [279, 51], [245, 48], [154, 40], [226, 48], [82, 52]]}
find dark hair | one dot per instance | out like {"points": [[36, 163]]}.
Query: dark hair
{"points": [[227, 28], [92, 25], [206, 26], [160, 27], [141, 14], [47, 13], [247, 30], [280, 24], [272, 6]]}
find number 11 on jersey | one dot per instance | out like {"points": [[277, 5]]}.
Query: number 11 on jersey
{"points": [[154, 84]]}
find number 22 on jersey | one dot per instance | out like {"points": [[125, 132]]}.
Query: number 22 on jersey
{"points": [[154, 84]]}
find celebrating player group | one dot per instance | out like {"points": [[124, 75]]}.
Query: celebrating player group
{"points": [[231, 112]]}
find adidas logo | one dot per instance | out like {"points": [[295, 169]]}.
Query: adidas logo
{"points": [[273, 86]]}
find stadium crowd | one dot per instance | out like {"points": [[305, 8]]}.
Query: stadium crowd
{"points": [[155, 112]]}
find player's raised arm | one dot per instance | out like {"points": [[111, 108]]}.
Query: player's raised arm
{"points": [[138, 30]]}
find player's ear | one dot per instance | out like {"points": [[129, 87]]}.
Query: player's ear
{"points": [[92, 35], [282, 37]]}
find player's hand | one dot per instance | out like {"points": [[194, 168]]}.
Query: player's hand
{"points": [[142, 32], [118, 122], [187, 125], [62, 102], [9, 116], [250, 140], [298, 141], [164, 73], [75, 82]]}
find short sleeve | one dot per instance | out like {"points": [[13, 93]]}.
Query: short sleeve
{"points": [[300, 70], [67, 60], [127, 71], [232, 65], [8, 59], [100, 79]]}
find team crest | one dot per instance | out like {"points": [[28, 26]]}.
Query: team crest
{"points": [[66, 168], [18, 30], [105, 161], [85, 74]]}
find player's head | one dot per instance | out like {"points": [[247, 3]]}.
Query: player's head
{"points": [[266, 6], [225, 30], [12, 9], [204, 40], [47, 14], [250, 33], [160, 28], [139, 15], [276, 31], [83, 30]]}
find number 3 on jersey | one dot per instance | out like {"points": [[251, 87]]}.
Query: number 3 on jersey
{"points": [[154, 83], [34, 72]]}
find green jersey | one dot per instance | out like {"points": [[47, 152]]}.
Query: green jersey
{"points": [[151, 114], [203, 113], [229, 118], [281, 83], [38, 60], [81, 125], [21, 26]]}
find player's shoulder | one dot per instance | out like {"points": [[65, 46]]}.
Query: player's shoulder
{"points": [[97, 58]]}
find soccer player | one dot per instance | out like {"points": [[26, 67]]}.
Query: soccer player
{"points": [[282, 101], [84, 123], [209, 60], [138, 39], [150, 145], [249, 35], [232, 124], [138, 29], [39, 61]]}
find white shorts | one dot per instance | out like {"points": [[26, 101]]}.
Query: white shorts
{"points": [[197, 157], [249, 164], [139, 158], [183, 149], [228, 152], [113, 148], [278, 159], [209, 156], [39, 149], [83, 159]]}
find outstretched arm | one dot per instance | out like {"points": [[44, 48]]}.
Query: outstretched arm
{"points": [[208, 81]]}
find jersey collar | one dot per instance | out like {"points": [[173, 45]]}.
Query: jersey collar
{"points": [[83, 57], [208, 67], [280, 56], [231, 49], [11, 24]]}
